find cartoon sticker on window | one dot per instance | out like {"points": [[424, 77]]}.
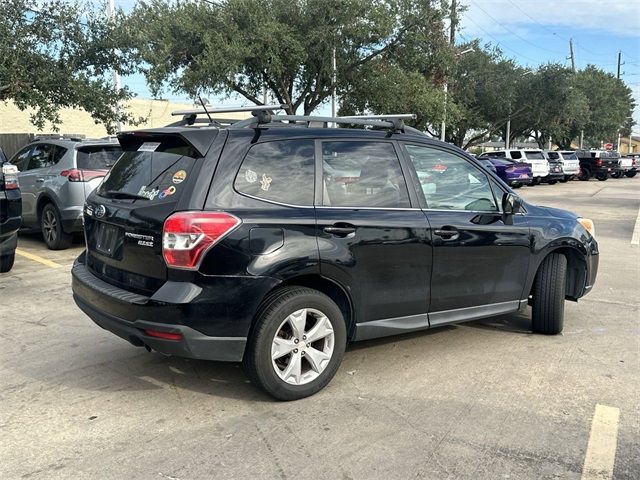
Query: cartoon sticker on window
{"points": [[179, 176], [250, 176], [265, 183]]}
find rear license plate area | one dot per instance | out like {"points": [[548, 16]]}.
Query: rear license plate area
{"points": [[107, 239]]}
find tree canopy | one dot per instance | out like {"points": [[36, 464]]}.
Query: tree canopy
{"points": [[58, 54]]}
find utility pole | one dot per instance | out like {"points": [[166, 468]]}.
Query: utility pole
{"points": [[506, 138], [453, 20], [620, 63], [581, 138], [333, 83], [572, 56], [116, 74]]}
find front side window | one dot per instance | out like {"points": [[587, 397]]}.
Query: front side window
{"points": [[362, 174], [280, 171], [450, 182], [21, 158]]}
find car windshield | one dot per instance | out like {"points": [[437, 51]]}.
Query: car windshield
{"points": [[98, 157], [534, 155]]}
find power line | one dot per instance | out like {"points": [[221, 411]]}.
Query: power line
{"points": [[514, 33], [498, 43]]}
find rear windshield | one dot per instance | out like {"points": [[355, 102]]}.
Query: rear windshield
{"points": [[154, 170], [534, 156], [98, 157], [569, 155]]}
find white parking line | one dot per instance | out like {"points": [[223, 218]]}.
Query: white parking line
{"points": [[635, 238], [601, 451]]}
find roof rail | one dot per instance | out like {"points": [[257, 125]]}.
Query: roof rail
{"points": [[394, 121]]}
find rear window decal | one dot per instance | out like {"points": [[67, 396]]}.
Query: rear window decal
{"points": [[251, 176], [165, 193], [150, 194], [265, 183], [179, 176], [148, 147]]}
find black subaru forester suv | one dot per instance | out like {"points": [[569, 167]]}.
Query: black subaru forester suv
{"points": [[276, 244]]}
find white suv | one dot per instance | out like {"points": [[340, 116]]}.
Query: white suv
{"points": [[570, 163], [534, 157]]}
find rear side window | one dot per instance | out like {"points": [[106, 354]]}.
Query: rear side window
{"points": [[97, 157], [58, 153], [41, 156], [554, 155], [516, 155], [362, 174], [280, 171], [153, 170]]}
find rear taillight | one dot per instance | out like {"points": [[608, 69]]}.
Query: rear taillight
{"points": [[186, 236], [598, 162], [10, 176], [81, 175]]}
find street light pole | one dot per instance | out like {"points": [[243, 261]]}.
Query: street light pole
{"points": [[508, 135], [443, 127], [116, 74]]}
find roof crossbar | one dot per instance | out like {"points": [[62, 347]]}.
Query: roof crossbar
{"points": [[251, 108], [396, 124]]}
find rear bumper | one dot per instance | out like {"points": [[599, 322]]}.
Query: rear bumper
{"points": [[192, 343], [72, 219], [519, 181], [213, 324]]}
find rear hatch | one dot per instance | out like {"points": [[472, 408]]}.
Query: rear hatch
{"points": [[570, 162], [124, 217], [539, 164]]}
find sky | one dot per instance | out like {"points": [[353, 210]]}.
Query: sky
{"points": [[533, 32]]}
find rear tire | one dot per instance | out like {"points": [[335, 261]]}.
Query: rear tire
{"points": [[536, 181], [277, 327], [616, 175], [631, 174], [52, 232], [548, 295], [602, 176], [6, 262], [585, 175]]}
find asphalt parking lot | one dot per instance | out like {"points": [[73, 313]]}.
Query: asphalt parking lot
{"points": [[481, 400]]}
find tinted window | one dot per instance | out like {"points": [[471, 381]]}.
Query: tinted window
{"points": [[58, 153], [569, 155], [553, 155], [516, 155], [363, 174], [98, 157], [450, 182], [156, 169], [41, 156], [282, 171], [498, 154], [20, 159], [535, 155]]}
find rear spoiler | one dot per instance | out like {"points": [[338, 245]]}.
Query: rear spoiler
{"points": [[200, 139]]}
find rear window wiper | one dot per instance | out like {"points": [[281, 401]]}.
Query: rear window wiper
{"points": [[119, 194]]}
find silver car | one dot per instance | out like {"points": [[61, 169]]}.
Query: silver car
{"points": [[56, 176]]}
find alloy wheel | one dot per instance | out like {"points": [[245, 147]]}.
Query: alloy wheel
{"points": [[302, 346], [49, 226]]}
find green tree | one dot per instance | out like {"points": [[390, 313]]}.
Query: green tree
{"points": [[58, 54], [610, 105], [240, 46]]}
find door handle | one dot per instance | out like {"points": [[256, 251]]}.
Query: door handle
{"points": [[340, 229], [447, 233], [40, 180]]}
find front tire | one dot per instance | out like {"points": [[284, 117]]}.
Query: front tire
{"points": [[297, 343], [631, 174], [602, 176], [548, 295], [52, 232], [585, 175], [6, 262], [616, 175]]}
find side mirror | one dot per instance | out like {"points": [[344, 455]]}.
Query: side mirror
{"points": [[511, 204]]}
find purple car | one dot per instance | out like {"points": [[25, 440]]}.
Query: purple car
{"points": [[513, 173]]}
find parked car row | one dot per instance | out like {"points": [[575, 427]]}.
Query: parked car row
{"points": [[534, 166]]}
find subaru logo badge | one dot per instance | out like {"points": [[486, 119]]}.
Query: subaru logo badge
{"points": [[99, 211]]}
